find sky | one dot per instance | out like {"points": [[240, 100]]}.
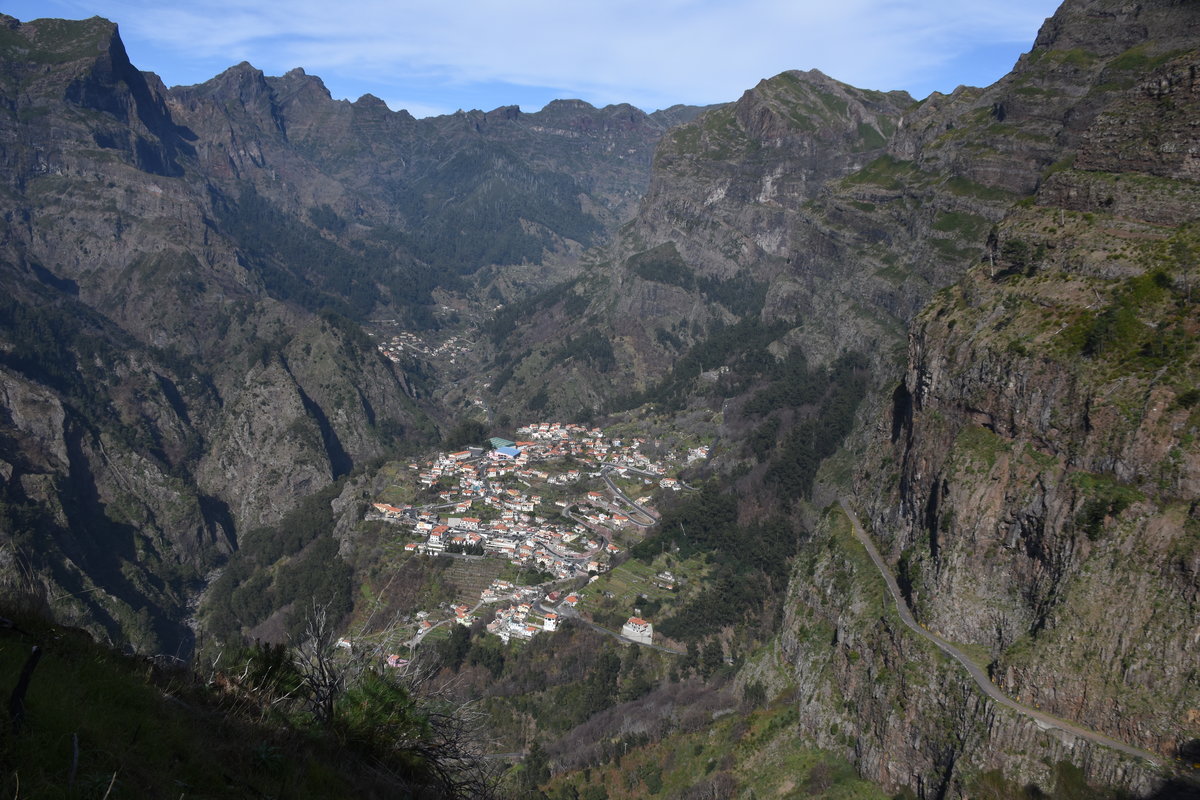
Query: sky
{"points": [[438, 56]]}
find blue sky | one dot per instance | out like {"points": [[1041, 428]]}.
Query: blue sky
{"points": [[436, 56]]}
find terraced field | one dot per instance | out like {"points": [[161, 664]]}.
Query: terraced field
{"points": [[470, 577]]}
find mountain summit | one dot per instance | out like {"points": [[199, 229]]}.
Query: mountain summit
{"points": [[967, 324]]}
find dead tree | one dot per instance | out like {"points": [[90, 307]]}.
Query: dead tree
{"points": [[324, 679]]}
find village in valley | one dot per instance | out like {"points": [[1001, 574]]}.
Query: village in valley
{"points": [[553, 502], [401, 342]]}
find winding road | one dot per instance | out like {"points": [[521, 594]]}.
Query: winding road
{"points": [[573, 614], [1044, 721], [612, 487], [420, 635]]}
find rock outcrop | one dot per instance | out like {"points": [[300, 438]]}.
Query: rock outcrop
{"points": [[1033, 474], [180, 271]]}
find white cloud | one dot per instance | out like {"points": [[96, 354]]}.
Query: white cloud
{"points": [[650, 53]]}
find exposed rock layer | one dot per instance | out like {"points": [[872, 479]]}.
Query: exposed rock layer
{"points": [[177, 266]]}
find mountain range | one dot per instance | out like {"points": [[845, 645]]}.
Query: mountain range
{"points": [[972, 317]]}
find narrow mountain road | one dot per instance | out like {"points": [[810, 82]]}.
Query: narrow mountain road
{"points": [[612, 487], [1044, 721], [420, 635], [573, 614]]}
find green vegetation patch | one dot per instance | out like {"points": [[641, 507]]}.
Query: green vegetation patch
{"points": [[633, 586], [722, 134], [1105, 498], [959, 223], [750, 752], [743, 345], [1075, 57], [295, 263], [869, 137], [1148, 325], [748, 560], [595, 350], [835, 104], [861, 578], [885, 171], [294, 564], [663, 264], [969, 188], [686, 138], [834, 394], [504, 322], [1140, 60], [56, 41], [1042, 460], [980, 444], [100, 724], [951, 250]]}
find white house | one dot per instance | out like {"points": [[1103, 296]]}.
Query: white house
{"points": [[638, 629]]}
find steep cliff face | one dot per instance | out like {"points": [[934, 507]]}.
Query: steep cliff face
{"points": [[1032, 472], [1035, 474], [178, 267], [448, 194], [98, 528], [1039, 490], [840, 211], [909, 716], [733, 193], [134, 321]]}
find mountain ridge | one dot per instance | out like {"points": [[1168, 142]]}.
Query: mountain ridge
{"points": [[975, 312], [186, 229]]}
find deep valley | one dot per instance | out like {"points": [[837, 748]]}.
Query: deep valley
{"points": [[827, 442]]}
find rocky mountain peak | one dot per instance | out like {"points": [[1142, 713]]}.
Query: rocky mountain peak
{"points": [[84, 64], [1108, 28], [569, 105], [298, 86], [505, 112], [241, 82], [64, 40], [171, 381], [370, 102]]}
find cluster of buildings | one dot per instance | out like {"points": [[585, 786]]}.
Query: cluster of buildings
{"points": [[396, 344], [517, 622], [588, 445], [530, 541], [526, 616], [486, 505]]}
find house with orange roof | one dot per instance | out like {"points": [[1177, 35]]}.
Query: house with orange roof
{"points": [[638, 630]]}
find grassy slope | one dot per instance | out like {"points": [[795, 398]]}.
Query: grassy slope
{"points": [[144, 731]]}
